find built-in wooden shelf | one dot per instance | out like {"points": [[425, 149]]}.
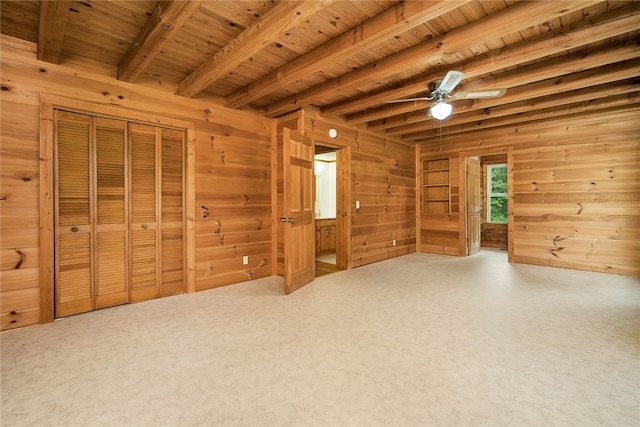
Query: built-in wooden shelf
{"points": [[436, 187]]}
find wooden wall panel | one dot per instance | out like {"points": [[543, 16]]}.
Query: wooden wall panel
{"points": [[233, 205], [595, 189], [494, 236], [19, 217], [576, 188], [230, 147]]}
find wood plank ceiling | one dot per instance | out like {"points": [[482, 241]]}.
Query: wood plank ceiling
{"points": [[349, 58]]}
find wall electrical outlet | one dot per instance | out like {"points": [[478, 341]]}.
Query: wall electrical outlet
{"points": [[394, 242], [245, 260], [357, 204]]}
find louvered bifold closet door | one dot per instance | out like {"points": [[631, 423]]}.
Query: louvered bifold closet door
{"points": [[172, 212], [144, 212], [73, 231], [111, 253]]}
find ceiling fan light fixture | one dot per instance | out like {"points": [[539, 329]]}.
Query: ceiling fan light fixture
{"points": [[440, 110]]}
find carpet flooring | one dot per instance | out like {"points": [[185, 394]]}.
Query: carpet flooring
{"points": [[419, 340]]}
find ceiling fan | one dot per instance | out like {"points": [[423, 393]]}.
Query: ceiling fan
{"points": [[440, 90]]}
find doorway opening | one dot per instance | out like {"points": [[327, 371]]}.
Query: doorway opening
{"points": [[487, 201], [326, 208]]}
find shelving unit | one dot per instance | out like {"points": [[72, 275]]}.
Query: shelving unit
{"points": [[436, 187]]}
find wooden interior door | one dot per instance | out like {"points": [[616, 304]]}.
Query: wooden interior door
{"points": [[172, 280], [73, 228], [474, 205], [111, 247], [144, 213], [120, 226], [299, 227]]}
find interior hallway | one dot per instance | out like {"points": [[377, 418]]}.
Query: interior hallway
{"points": [[418, 340]]}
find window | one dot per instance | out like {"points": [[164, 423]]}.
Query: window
{"points": [[497, 184]]}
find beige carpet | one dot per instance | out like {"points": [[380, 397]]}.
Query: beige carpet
{"points": [[419, 340]]}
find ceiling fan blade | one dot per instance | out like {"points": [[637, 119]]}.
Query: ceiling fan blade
{"points": [[476, 94], [450, 81], [410, 100]]}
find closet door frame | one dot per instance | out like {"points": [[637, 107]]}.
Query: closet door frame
{"points": [[49, 103]]}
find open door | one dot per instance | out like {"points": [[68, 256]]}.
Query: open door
{"points": [[299, 227], [474, 205]]}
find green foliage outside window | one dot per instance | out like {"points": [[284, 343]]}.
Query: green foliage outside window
{"points": [[497, 194]]}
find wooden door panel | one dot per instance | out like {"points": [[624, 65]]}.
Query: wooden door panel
{"points": [[299, 231], [172, 212], [172, 176], [73, 160], [110, 171], [73, 274], [119, 212], [144, 265], [111, 275], [172, 282], [144, 212], [73, 241], [474, 206]]}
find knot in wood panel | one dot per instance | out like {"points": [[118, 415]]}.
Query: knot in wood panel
{"points": [[20, 260], [556, 248]]}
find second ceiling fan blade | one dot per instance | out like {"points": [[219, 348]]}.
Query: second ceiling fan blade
{"points": [[476, 94], [450, 81], [409, 100]]}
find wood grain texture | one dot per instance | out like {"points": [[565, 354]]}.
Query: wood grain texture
{"points": [[280, 18], [167, 19], [363, 36], [96, 91], [499, 24], [52, 25], [574, 191], [383, 181]]}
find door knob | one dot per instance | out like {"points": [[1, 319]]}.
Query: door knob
{"points": [[74, 229], [144, 226]]}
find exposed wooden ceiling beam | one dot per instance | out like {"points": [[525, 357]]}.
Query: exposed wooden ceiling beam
{"points": [[556, 67], [164, 23], [580, 34], [554, 86], [53, 21], [499, 24], [401, 17], [602, 96], [278, 20]]}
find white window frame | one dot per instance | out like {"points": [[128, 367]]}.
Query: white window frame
{"points": [[490, 194]]}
